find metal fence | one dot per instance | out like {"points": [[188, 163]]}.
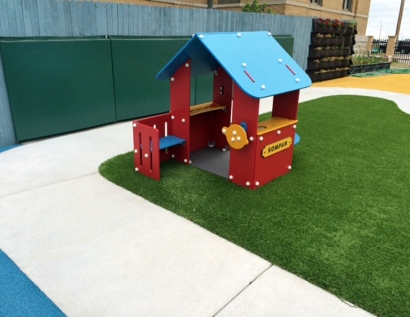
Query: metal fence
{"points": [[401, 49], [379, 46], [64, 18], [402, 52]]}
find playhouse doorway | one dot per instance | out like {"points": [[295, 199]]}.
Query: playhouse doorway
{"points": [[213, 160]]}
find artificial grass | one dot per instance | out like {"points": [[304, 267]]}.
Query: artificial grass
{"points": [[340, 219]]}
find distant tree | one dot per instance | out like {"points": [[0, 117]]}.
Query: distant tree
{"points": [[256, 8]]}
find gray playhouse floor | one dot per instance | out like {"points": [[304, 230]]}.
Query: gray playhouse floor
{"points": [[212, 160]]}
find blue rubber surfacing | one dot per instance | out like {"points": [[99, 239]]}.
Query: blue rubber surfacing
{"points": [[6, 148], [19, 296]]}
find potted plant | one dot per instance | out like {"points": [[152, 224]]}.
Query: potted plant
{"points": [[321, 25], [317, 38], [364, 64], [339, 62], [351, 28], [346, 71], [337, 50], [324, 62], [348, 40], [314, 64], [316, 52], [327, 39], [329, 51], [340, 27], [322, 75]]}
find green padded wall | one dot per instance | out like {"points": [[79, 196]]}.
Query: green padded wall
{"points": [[57, 86], [204, 86], [63, 85], [286, 41], [136, 63]]}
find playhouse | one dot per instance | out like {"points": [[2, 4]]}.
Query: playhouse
{"points": [[225, 133]]}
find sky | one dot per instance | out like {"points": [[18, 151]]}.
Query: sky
{"points": [[383, 16]]}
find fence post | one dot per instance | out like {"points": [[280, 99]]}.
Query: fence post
{"points": [[369, 45], [391, 45]]}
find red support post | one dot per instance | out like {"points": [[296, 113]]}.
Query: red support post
{"points": [[242, 161], [180, 110]]}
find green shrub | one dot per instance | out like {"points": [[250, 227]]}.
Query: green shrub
{"points": [[256, 8]]}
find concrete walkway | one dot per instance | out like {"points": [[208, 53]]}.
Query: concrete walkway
{"points": [[95, 249]]}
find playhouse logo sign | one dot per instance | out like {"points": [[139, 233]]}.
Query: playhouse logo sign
{"points": [[276, 147]]}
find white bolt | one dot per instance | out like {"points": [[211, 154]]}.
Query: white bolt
{"points": [[172, 117], [173, 155], [135, 151], [238, 138], [201, 36], [193, 35], [294, 126], [263, 87], [185, 160], [223, 150], [269, 33], [234, 132], [251, 138], [230, 177], [278, 132], [223, 131], [186, 65], [146, 155], [134, 125], [233, 139], [289, 167], [239, 34], [215, 73], [297, 80], [280, 60], [190, 162], [261, 138], [172, 78], [248, 184], [244, 64], [136, 169], [183, 120], [257, 183]]}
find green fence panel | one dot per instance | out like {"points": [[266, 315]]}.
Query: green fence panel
{"points": [[58, 86], [62, 85], [204, 86], [136, 63], [286, 41]]}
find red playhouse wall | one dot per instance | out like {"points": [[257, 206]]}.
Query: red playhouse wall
{"points": [[286, 105], [201, 131], [222, 96], [180, 114], [278, 164], [146, 160], [242, 161]]}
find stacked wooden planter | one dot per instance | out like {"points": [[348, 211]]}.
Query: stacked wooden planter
{"points": [[331, 49]]}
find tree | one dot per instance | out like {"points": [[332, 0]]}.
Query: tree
{"points": [[256, 8]]}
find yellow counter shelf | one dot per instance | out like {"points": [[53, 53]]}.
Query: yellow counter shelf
{"points": [[273, 124], [205, 107]]}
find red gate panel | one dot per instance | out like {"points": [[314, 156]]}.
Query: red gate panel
{"points": [[146, 150]]}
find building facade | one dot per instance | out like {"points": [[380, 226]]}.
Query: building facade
{"points": [[326, 9]]}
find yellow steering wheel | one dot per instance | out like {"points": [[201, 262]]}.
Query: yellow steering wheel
{"points": [[236, 136]]}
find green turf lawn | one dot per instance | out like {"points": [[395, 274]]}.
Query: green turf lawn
{"points": [[340, 219]]}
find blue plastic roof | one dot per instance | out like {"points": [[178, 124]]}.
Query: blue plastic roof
{"points": [[254, 60]]}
